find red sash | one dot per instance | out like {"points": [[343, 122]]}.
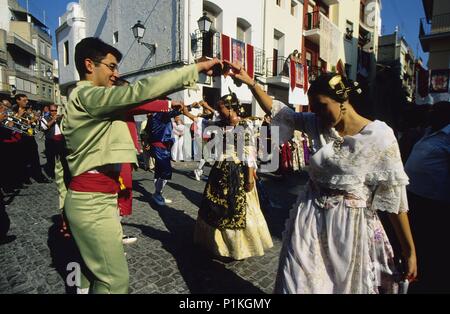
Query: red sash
{"points": [[95, 182]]}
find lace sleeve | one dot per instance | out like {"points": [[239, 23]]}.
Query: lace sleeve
{"points": [[390, 198], [288, 121]]}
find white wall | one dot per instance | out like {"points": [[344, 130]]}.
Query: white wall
{"points": [[280, 18], [72, 29], [5, 15]]}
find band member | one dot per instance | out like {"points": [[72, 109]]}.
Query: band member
{"points": [[27, 145], [98, 142], [54, 142]]}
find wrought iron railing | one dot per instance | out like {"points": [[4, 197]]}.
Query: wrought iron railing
{"points": [[260, 57], [205, 44], [277, 67], [312, 20], [439, 24]]}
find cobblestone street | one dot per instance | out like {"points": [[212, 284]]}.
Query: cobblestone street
{"points": [[163, 260]]}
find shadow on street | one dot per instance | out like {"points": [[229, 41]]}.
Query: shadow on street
{"points": [[62, 251], [201, 273]]}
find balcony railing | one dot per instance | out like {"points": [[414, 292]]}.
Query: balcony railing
{"points": [[207, 45], [260, 57], [276, 67], [439, 24], [25, 70], [312, 20]]}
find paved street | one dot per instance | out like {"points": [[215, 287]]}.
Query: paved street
{"points": [[163, 260]]}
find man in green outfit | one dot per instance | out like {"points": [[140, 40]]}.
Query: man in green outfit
{"points": [[98, 142]]}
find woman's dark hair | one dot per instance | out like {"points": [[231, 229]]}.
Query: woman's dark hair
{"points": [[335, 86], [232, 102], [95, 49], [440, 115]]}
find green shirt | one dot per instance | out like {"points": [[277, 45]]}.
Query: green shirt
{"points": [[94, 127]]}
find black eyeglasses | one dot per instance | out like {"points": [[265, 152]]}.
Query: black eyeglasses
{"points": [[53, 110], [112, 66]]}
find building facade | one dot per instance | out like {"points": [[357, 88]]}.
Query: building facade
{"points": [[26, 64], [395, 52], [434, 34], [342, 30]]}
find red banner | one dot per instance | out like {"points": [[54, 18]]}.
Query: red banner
{"points": [[226, 48], [293, 74], [305, 73], [250, 61]]}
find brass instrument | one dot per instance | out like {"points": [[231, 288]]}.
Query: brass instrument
{"points": [[18, 124]]}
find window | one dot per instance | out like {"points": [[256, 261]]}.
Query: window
{"points": [[243, 30], [294, 8], [278, 3], [115, 37], [349, 30], [43, 49], [49, 51], [66, 53]]}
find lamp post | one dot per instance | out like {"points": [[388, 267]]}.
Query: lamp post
{"points": [[204, 23], [49, 73], [13, 90], [138, 33]]}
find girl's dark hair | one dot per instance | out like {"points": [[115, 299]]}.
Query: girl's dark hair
{"points": [[335, 86]]}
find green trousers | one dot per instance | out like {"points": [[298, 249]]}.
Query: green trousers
{"points": [[93, 221]]}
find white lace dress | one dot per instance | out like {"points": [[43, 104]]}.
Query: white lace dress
{"points": [[334, 241]]}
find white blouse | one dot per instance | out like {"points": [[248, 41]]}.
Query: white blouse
{"points": [[366, 165]]}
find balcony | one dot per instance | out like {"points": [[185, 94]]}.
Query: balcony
{"points": [[312, 26], [20, 43], [29, 72], [277, 72], [439, 28]]}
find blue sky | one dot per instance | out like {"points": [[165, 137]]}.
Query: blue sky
{"points": [[404, 13]]}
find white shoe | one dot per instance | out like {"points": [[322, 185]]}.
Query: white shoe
{"points": [[82, 290], [198, 174], [158, 199], [128, 239], [167, 200]]}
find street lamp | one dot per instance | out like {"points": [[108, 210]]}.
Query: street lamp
{"points": [[138, 33], [49, 73], [204, 23], [13, 89]]}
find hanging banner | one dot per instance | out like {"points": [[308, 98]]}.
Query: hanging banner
{"points": [[292, 73], [238, 51], [250, 61], [225, 48], [439, 81]]}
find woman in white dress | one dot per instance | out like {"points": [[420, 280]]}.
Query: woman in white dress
{"points": [[334, 241], [230, 222]]}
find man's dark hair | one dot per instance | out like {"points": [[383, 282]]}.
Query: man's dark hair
{"points": [[95, 49], [4, 97], [19, 96]]}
